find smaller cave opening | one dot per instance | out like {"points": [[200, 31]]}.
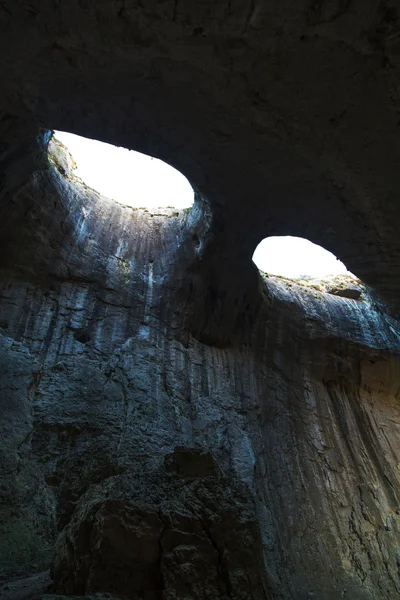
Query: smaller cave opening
{"points": [[126, 176], [296, 258], [306, 263]]}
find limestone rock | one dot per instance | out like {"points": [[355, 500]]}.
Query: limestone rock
{"points": [[163, 405], [148, 531], [33, 587], [60, 157], [351, 293], [184, 449]]}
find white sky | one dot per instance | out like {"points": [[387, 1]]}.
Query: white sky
{"points": [[293, 257], [127, 176], [138, 180]]}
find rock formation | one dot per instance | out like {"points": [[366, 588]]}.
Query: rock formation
{"points": [[174, 424]]}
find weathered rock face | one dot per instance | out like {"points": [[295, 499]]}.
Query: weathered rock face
{"points": [[283, 114], [173, 424], [146, 463], [149, 533]]}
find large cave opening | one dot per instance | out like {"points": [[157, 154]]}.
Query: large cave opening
{"points": [[129, 177]]}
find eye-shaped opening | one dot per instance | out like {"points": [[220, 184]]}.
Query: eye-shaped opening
{"points": [[126, 176], [296, 258]]}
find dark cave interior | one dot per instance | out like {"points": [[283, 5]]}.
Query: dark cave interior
{"points": [[175, 424]]}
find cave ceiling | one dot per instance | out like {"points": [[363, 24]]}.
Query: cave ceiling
{"points": [[283, 115]]}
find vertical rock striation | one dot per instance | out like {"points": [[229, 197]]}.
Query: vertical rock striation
{"points": [[153, 446]]}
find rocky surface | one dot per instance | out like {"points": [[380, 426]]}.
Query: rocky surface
{"points": [[33, 587], [283, 114], [346, 285], [174, 424], [138, 459], [194, 536]]}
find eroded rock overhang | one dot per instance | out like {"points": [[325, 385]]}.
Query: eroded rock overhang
{"points": [[121, 334], [284, 124]]}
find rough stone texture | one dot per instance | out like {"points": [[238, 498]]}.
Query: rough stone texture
{"points": [[143, 351], [32, 587], [301, 417], [346, 292], [145, 532], [283, 114]]}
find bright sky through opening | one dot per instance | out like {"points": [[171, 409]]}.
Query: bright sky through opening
{"points": [[129, 177], [137, 180], [295, 257]]}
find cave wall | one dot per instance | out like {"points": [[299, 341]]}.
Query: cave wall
{"points": [[138, 457], [163, 404]]}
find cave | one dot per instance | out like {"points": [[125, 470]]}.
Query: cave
{"points": [[175, 423]]}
